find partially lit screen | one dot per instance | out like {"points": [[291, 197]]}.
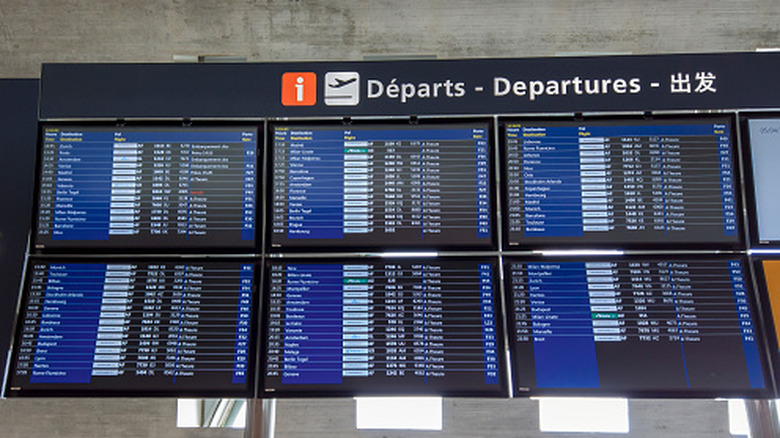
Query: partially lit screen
{"points": [[633, 326], [765, 160]]}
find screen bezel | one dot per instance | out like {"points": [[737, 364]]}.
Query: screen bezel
{"points": [[400, 125], [51, 389], [758, 325], [625, 120], [751, 201], [409, 390], [68, 247], [771, 336]]}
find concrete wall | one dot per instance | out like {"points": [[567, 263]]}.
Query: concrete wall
{"points": [[37, 31], [335, 418]]}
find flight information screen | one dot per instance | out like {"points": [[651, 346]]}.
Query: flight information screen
{"points": [[152, 187], [764, 157], [135, 328], [634, 325], [382, 186], [390, 326], [626, 182]]}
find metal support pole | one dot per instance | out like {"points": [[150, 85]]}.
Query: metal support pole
{"points": [[762, 418], [260, 418]]}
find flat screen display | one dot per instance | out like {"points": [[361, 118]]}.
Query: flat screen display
{"points": [[768, 275], [147, 187], [619, 183], [389, 326], [131, 328], [381, 186], [634, 326], [765, 162]]}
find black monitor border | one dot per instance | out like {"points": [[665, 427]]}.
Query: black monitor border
{"points": [[249, 386], [625, 120], [771, 336], [389, 123], [403, 391], [759, 323], [182, 125]]}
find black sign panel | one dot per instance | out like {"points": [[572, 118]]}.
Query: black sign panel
{"points": [[390, 326], [480, 86], [636, 326], [135, 327]]}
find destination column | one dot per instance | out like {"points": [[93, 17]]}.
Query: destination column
{"points": [[552, 182], [313, 324]]}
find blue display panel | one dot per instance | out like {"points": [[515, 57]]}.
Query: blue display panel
{"points": [[152, 187], [639, 326], [381, 186], [391, 326], [140, 328], [621, 183]]}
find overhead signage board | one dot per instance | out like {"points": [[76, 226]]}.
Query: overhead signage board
{"points": [[402, 88]]}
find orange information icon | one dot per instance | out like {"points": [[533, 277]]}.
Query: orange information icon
{"points": [[772, 275], [299, 89]]}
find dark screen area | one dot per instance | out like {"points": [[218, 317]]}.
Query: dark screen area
{"points": [[391, 326], [634, 325], [135, 327], [381, 186], [666, 182], [147, 187], [18, 125]]}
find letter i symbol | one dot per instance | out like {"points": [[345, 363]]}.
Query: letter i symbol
{"points": [[299, 89]]}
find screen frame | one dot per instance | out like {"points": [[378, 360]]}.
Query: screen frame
{"points": [[108, 248], [249, 386], [751, 201], [386, 123], [503, 371], [758, 324], [771, 336], [625, 120]]}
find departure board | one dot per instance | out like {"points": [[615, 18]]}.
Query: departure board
{"points": [[638, 326], [395, 185], [390, 326], [135, 328], [665, 182], [152, 187]]}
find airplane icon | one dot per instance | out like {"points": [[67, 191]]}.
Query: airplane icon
{"points": [[342, 88], [341, 82]]}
